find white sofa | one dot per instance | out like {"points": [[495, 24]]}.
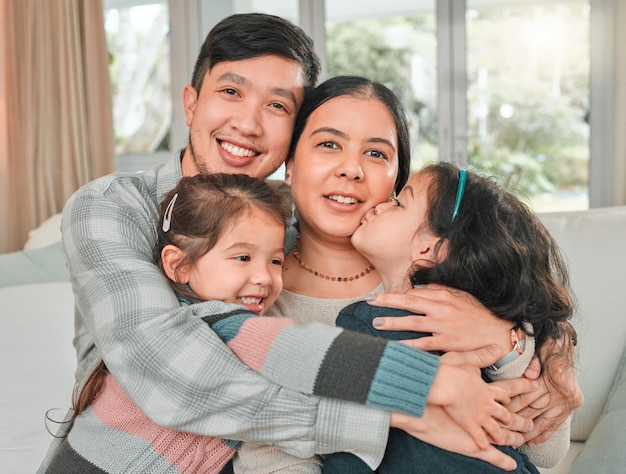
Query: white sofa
{"points": [[37, 359]]}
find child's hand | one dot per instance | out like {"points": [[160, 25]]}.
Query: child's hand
{"points": [[474, 404]]}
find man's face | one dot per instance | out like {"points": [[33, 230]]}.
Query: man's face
{"points": [[242, 119]]}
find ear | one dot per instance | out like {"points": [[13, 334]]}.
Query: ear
{"points": [[190, 99], [171, 256], [288, 171], [423, 248]]}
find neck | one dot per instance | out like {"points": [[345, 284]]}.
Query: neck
{"points": [[336, 258], [395, 283]]}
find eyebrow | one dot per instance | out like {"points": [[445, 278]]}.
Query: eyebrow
{"points": [[243, 244], [243, 81], [344, 135], [409, 189]]}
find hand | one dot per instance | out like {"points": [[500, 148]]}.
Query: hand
{"points": [[436, 427], [456, 319], [558, 395], [474, 404], [513, 388]]}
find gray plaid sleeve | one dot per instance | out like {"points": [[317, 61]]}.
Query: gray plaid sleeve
{"points": [[167, 359]]}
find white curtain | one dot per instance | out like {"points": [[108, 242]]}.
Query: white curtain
{"points": [[55, 123]]}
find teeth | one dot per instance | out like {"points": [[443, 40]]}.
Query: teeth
{"points": [[249, 300], [235, 150], [343, 199]]}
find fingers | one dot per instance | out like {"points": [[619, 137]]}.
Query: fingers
{"points": [[401, 323], [497, 458], [495, 433], [524, 400], [546, 424], [483, 357], [534, 369], [516, 388], [519, 424]]}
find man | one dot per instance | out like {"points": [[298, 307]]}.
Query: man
{"points": [[249, 80]]}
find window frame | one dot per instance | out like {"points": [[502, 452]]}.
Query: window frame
{"points": [[191, 19]]}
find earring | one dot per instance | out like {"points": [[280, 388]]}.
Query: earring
{"points": [[392, 197]]}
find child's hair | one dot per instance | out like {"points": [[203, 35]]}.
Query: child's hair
{"points": [[499, 251], [204, 206], [193, 216]]}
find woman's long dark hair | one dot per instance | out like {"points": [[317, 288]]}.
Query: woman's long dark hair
{"points": [[500, 252]]}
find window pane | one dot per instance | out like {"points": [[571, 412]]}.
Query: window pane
{"points": [[286, 9], [528, 98], [139, 69], [393, 42]]}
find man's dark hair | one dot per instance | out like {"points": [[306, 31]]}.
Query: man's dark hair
{"points": [[250, 35]]}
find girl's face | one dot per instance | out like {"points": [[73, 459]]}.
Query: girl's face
{"points": [[346, 162], [244, 266], [395, 234]]}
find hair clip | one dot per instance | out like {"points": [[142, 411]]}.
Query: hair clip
{"points": [[167, 218], [459, 192]]}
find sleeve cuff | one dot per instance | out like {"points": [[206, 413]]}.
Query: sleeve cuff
{"points": [[403, 380], [352, 428], [514, 368]]}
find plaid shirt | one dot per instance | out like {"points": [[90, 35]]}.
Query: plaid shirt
{"points": [[168, 360]]}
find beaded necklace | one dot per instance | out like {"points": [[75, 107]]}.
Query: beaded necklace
{"points": [[327, 277]]}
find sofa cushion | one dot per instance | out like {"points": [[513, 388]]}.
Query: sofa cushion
{"points": [[37, 363], [33, 266], [604, 450], [593, 244]]}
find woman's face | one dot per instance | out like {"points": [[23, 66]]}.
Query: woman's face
{"points": [[345, 163]]}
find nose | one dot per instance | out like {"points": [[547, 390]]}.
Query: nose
{"points": [[350, 166], [247, 118], [261, 275], [383, 206]]}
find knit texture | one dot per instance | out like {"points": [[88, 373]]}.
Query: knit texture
{"points": [[353, 367], [114, 436]]}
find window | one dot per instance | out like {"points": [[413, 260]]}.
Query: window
{"points": [[139, 70], [528, 86], [483, 83]]}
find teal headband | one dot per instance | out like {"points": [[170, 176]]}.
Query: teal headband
{"points": [[459, 192]]}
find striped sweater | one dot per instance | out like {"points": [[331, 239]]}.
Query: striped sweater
{"points": [[113, 435]]}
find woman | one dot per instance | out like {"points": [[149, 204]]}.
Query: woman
{"points": [[349, 152]]}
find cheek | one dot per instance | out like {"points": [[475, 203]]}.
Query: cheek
{"points": [[382, 182], [279, 131]]}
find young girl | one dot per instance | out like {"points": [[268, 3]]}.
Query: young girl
{"points": [[458, 229], [220, 238]]}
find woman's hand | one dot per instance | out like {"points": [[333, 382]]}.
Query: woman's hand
{"points": [[436, 427], [456, 319]]}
